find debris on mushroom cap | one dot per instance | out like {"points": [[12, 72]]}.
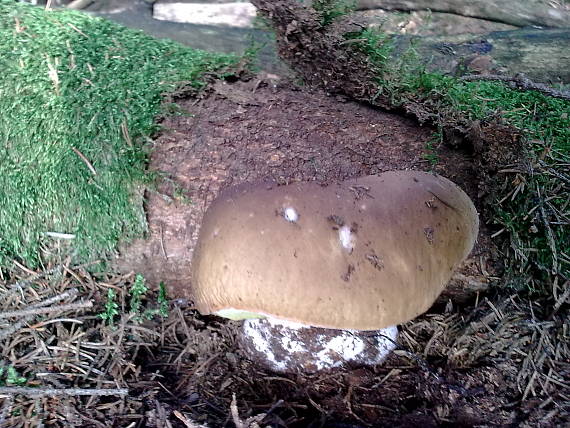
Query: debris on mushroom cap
{"points": [[363, 254]]}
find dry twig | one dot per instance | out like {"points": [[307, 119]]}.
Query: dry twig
{"points": [[54, 392], [85, 161], [14, 327], [187, 422], [40, 311], [251, 422]]}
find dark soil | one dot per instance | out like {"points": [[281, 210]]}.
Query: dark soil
{"points": [[263, 128]]}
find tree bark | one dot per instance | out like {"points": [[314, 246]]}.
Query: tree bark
{"points": [[520, 13]]}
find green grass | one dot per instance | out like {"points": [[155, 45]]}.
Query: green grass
{"points": [[79, 97], [540, 241], [431, 148], [111, 308], [12, 378], [532, 209], [139, 307], [137, 292], [333, 9]]}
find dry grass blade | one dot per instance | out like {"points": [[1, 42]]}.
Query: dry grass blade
{"points": [[187, 422], [21, 284], [53, 392], [251, 422], [41, 311], [13, 327]]}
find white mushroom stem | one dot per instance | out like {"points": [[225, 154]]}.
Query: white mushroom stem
{"points": [[288, 347]]}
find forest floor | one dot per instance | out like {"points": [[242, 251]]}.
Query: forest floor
{"points": [[481, 356]]}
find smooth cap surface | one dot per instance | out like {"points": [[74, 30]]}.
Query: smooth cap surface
{"points": [[364, 254]]}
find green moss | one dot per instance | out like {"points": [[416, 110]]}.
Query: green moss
{"points": [[79, 97], [333, 9]]}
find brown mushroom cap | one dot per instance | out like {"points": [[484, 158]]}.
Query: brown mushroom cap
{"points": [[364, 254]]}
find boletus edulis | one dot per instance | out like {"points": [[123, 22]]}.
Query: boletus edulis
{"points": [[323, 274]]}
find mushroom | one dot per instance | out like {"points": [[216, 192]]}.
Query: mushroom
{"points": [[323, 274]]}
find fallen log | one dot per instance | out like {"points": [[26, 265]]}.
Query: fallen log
{"points": [[520, 13], [541, 55]]}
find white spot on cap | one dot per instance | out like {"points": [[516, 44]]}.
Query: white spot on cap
{"points": [[290, 214], [346, 238]]}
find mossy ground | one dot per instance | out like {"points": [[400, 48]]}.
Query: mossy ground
{"points": [[79, 98]]}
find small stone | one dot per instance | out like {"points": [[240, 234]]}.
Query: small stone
{"points": [[238, 14]]}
